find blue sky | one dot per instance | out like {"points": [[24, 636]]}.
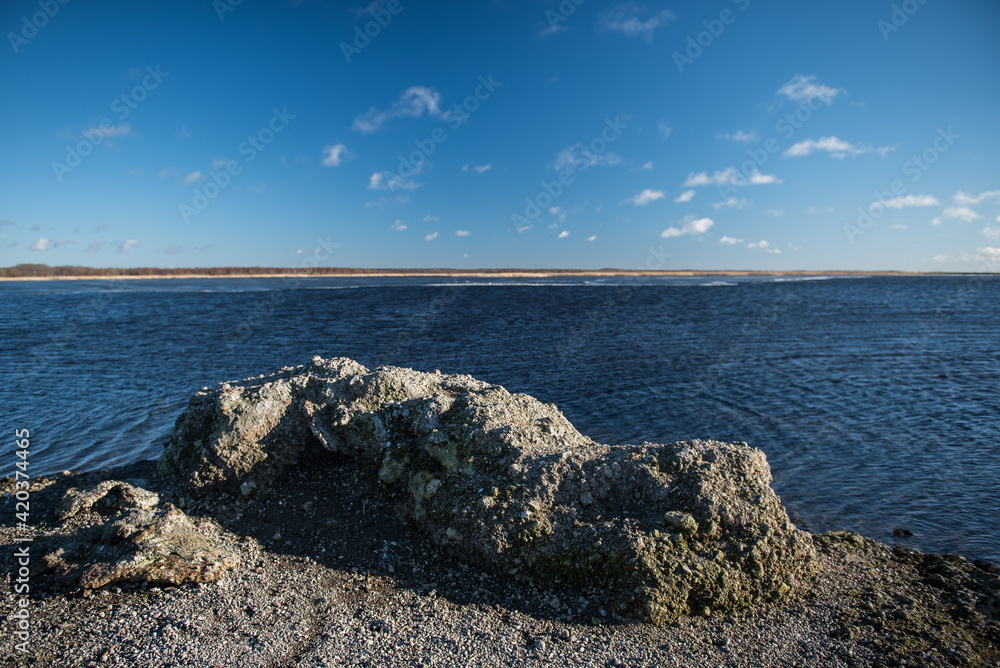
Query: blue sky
{"points": [[734, 134]]}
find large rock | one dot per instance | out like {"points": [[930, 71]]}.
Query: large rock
{"points": [[506, 482]]}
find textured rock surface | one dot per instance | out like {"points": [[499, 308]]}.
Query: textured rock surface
{"points": [[121, 533], [507, 483]]}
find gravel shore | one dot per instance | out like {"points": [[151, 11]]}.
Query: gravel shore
{"points": [[357, 585]]}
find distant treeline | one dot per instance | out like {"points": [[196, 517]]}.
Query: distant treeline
{"points": [[44, 270]]}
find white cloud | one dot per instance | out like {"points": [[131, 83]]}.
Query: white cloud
{"points": [[993, 254], [414, 103], [648, 165], [645, 197], [628, 19], [398, 226], [219, 162], [966, 198], [563, 234], [692, 225], [991, 232], [732, 203], [94, 247], [729, 176], [390, 181], [165, 172], [758, 179], [777, 213], [730, 241], [551, 30], [592, 237], [124, 246], [431, 237], [912, 200], [193, 177], [665, 130], [479, 169], [334, 155], [806, 89], [836, 147], [575, 159], [940, 258], [739, 136], [962, 213], [685, 196], [463, 233], [40, 245], [764, 246], [123, 130]]}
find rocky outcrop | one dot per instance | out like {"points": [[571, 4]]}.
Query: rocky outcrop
{"points": [[505, 482], [122, 533]]}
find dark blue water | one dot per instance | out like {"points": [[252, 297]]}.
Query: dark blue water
{"points": [[875, 399]]}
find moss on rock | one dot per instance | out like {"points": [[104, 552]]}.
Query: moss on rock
{"points": [[502, 479]]}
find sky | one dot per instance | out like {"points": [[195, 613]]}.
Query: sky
{"points": [[729, 134]]}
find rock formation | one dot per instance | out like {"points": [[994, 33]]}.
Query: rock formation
{"points": [[122, 533], [506, 483]]}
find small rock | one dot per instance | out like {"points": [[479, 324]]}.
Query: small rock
{"points": [[681, 522]]}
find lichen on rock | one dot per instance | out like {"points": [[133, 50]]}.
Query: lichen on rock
{"points": [[503, 480]]}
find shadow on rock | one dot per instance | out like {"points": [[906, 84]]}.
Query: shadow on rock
{"points": [[499, 481]]}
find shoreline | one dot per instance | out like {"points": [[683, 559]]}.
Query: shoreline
{"points": [[682, 273], [355, 585], [280, 528]]}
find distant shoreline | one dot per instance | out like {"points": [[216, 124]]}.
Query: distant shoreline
{"points": [[485, 273]]}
